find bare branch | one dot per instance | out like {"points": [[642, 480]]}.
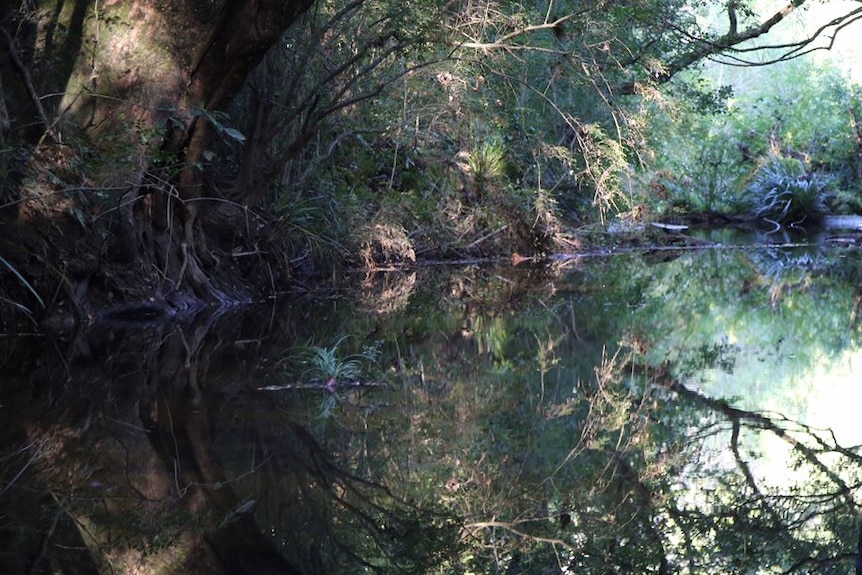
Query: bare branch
{"points": [[793, 49], [706, 48], [512, 528], [505, 42]]}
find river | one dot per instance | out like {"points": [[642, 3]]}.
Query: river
{"points": [[642, 411]]}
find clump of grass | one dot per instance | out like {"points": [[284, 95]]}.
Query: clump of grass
{"points": [[784, 191], [487, 163], [326, 364]]}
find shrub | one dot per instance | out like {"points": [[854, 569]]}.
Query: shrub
{"points": [[784, 191]]}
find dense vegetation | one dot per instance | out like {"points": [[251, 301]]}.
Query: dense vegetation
{"points": [[157, 156], [168, 153]]}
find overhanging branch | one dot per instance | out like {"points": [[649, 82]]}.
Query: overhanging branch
{"points": [[727, 44]]}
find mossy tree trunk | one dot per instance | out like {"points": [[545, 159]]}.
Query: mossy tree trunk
{"points": [[123, 96]]}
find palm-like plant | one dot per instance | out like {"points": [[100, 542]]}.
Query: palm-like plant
{"points": [[784, 191], [333, 370]]}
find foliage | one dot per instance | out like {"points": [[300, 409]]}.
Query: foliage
{"points": [[335, 64], [696, 179], [487, 163], [534, 84], [218, 120], [458, 128], [326, 363], [783, 191], [797, 109], [309, 225], [330, 370]]}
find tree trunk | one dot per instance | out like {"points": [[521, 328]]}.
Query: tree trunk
{"points": [[128, 93]]}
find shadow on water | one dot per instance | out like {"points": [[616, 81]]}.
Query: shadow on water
{"points": [[150, 450], [625, 414]]}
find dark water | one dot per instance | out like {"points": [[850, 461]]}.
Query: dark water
{"points": [[692, 411]]}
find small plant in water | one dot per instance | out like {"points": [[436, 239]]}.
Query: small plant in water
{"points": [[784, 191], [327, 366]]}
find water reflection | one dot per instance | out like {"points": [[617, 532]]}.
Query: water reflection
{"points": [[628, 414]]}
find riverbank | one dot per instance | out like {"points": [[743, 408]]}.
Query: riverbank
{"points": [[59, 274]]}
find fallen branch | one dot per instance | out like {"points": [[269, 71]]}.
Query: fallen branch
{"points": [[324, 386]]}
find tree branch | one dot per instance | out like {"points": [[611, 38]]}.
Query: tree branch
{"points": [[28, 83], [709, 47]]}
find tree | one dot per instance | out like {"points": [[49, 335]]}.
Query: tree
{"points": [[343, 55], [118, 102], [644, 43], [113, 113]]}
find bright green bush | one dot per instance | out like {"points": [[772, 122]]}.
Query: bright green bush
{"points": [[784, 137]]}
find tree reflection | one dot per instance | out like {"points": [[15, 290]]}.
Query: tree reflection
{"points": [[506, 439], [115, 434], [122, 457], [630, 469], [337, 522], [663, 479]]}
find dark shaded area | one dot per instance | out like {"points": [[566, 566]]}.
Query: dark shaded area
{"points": [[129, 447], [109, 435], [488, 430], [859, 554], [24, 108]]}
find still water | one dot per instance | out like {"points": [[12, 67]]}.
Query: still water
{"points": [[692, 411]]}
